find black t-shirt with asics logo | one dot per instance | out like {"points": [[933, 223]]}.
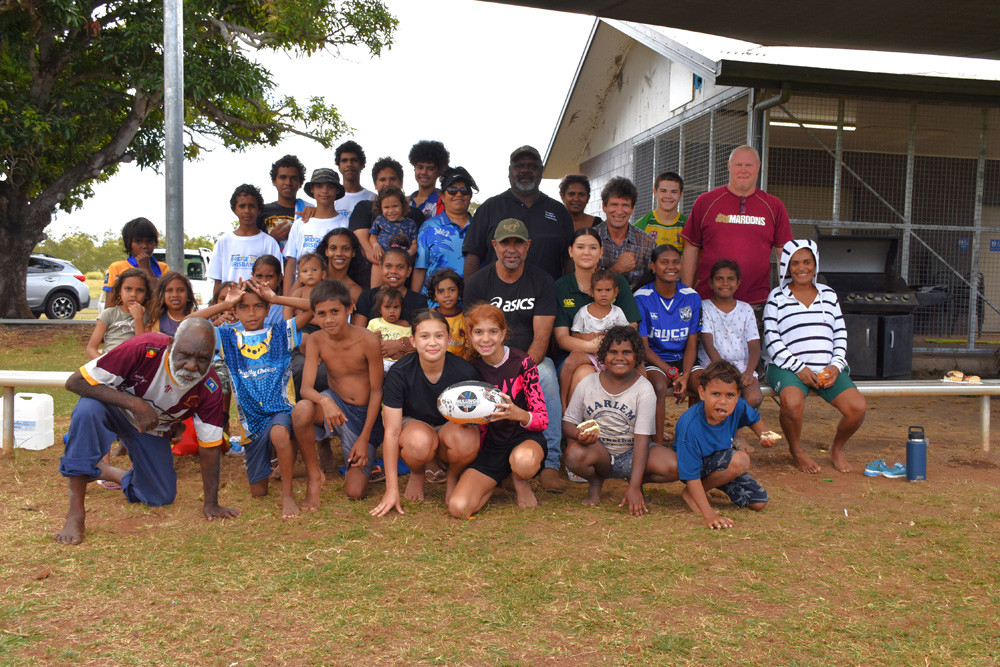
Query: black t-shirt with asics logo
{"points": [[533, 294]]}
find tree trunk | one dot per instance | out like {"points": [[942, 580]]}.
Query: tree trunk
{"points": [[18, 236]]}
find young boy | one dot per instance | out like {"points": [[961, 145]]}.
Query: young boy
{"points": [[140, 238], [350, 407], [703, 440], [258, 362], [325, 188], [664, 223], [276, 218], [622, 403], [236, 251]]}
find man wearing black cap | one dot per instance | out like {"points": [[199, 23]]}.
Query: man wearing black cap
{"points": [[527, 297], [546, 219], [325, 188]]}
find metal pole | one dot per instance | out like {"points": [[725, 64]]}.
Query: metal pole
{"points": [[8, 421], [977, 224], [838, 160], [711, 149], [173, 129], [911, 157]]}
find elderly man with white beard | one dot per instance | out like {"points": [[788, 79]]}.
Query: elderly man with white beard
{"points": [[140, 393]]}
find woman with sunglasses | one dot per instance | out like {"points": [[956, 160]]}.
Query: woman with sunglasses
{"points": [[439, 243]]}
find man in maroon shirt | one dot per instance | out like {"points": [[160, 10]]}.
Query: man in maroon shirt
{"points": [[737, 221], [140, 393]]}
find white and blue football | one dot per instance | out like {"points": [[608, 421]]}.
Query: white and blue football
{"points": [[469, 402]]}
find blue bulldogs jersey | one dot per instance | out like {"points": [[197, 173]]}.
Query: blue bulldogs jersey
{"points": [[259, 366], [668, 322]]}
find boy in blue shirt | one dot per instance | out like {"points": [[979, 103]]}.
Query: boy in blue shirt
{"points": [[703, 439], [258, 359]]}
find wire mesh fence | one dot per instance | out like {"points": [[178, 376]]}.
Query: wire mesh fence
{"points": [[927, 174]]}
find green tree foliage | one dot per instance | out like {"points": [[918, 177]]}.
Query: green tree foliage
{"points": [[81, 90], [90, 253]]}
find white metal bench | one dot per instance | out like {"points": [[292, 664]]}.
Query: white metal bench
{"points": [[984, 390], [11, 379]]}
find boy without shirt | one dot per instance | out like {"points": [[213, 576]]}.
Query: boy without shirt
{"points": [[350, 407], [622, 402]]}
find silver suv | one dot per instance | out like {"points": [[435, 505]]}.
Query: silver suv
{"points": [[55, 287]]}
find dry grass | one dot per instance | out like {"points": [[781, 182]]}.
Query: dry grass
{"points": [[853, 571]]}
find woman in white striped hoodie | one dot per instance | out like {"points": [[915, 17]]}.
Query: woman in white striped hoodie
{"points": [[805, 343]]}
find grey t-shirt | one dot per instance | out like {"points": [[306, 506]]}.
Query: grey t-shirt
{"points": [[120, 326], [621, 416]]}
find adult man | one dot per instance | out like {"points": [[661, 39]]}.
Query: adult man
{"points": [[429, 160], [350, 161], [547, 220], [287, 175], [625, 249], [665, 223], [736, 221], [139, 393], [526, 295]]}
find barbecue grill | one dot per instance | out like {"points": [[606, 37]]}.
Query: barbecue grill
{"points": [[876, 302]]}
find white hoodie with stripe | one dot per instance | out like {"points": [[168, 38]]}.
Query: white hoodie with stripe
{"points": [[796, 335]]}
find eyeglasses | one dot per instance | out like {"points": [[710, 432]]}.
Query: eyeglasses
{"points": [[454, 192]]}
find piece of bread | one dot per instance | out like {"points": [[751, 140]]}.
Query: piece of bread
{"points": [[588, 426], [954, 376], [974, 379], [771, 435]]}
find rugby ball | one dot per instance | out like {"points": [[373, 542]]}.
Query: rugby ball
{"points": [[469, 402]]}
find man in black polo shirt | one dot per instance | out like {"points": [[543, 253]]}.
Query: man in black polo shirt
{"points": [[546, 219], [527, 297]]}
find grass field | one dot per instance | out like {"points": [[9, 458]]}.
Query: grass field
{"points": [[849, 571]]}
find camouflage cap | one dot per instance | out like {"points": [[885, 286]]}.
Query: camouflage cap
{"points": [[511, 228]]}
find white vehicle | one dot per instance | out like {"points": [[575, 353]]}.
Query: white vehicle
{"points": [[195, 268]]}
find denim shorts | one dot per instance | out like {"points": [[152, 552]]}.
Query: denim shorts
{"points": [[744, 490]]}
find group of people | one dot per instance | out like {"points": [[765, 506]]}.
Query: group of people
{"points": [[349, 317]]}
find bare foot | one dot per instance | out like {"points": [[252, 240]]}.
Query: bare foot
{"points": [[72, 532], [326, 461], [110, 473], [288, 508], [804, 462], [593, 493], [525, 496], [839, 460], [686, 495], [313, 487], [414, 487]]}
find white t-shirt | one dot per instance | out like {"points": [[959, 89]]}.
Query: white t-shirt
{"points": [[730, 333], [305, 236], [585, 323], [234, 255], [345, 205], [621, 416]]}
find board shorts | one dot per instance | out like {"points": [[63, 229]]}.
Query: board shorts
{"points": [[780, 378], [355, 417], [493, 459], [744, 490], [257, 452]]}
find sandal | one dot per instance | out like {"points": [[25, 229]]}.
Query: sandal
{"points": [[109, 485], [435, 476], [378, 474]]}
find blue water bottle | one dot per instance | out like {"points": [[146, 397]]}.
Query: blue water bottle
{"points": [[916, 455]]}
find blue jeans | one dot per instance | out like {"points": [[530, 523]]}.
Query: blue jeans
{"points": [[553, 405]]}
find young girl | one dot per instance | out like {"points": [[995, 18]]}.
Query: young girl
{"points": [[123, 318], [806, 344], [396, 267], [228, 316], [513, 443], [312, 269], [729, 332], [388, 326], [345, 262], [173, 300], [669, 324], [266, 271], [390, 223], [414, 429], [590, 323], [445, 287]]}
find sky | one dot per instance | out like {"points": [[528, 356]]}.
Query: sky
{"points": [[483, 78]]}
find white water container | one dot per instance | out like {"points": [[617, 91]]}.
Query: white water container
{"points": [[33, 415]]}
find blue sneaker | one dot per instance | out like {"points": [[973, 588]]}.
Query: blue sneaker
{"points": [[875, 468], [895, 472]]}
